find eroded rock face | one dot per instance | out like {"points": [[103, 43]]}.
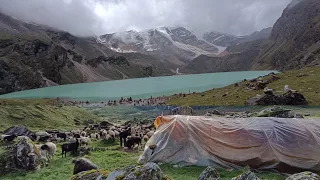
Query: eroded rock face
{"points": [[289, 98], [209, 174]]}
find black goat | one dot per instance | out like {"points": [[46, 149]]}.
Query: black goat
{"points": [[10, 138], [123, 136], [62, 136], [67, 147], [132, 141]]}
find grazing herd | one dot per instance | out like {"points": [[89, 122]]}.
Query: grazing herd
{"points": [[130, 136]]}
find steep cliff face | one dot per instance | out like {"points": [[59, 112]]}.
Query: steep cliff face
{"points": [[294, 41], [33, 56]]}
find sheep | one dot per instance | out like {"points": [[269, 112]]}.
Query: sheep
{"points": [[76, 136], [76, 131], [107, 137], [62, 135], [50, 148], [44, 138], [116, 133], [123, 136], [145, 138], [132, 141], [42, 133], [112, 134], [84, 141], [150, 133], [104, 133], [95, 136], [67, 147], [83, 133]]}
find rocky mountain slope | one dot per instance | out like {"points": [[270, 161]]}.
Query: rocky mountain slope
{"points": [[33, 56], [295, 38], [294, 43], [226, 40]]}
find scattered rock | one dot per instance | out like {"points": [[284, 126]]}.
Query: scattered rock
{"points": [[83, 164], [298, 116], [150, 171], [248, 175], [90, 175], [304, 176], [17, 130], [268, 91], [276, 111], [209, 174], [288, 98]]}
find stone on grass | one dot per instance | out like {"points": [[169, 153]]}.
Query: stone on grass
{"points": [[248, 175], [209, 174], [304, 176]]}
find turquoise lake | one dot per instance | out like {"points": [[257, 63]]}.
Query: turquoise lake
{"points": [[139, 88]]}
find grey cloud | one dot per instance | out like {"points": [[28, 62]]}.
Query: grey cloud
{"points": [[80, 17]]}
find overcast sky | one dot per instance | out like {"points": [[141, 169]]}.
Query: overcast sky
{"points": [[80, 17]]}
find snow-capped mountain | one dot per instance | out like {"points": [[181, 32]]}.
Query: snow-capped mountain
{"points": [[177, 45], [226, 40]]}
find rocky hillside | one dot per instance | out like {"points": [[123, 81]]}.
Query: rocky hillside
{"points": [[294, 43], [33, 56], [295, 38]]}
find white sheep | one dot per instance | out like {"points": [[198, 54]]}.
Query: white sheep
{"points": [[104, 133], [150, 133], [116, 133], [107, 137], [50, 148], [42, 133], [95, 136], [83, 133], [76, 131], [145, 138], [112, 134], [84, 140]]}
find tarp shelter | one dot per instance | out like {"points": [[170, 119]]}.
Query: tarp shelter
{"points": [[287, 145]]}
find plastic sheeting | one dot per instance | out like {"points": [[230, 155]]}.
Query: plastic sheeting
{"points": [[261, 143]]}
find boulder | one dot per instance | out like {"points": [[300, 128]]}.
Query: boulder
{"points": [[288, 98], [276, 111], [304, 176], [248, 175], [24, 156], [209, 174], [93, 174], [17, 130], [83, 164], [150, 171]]}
